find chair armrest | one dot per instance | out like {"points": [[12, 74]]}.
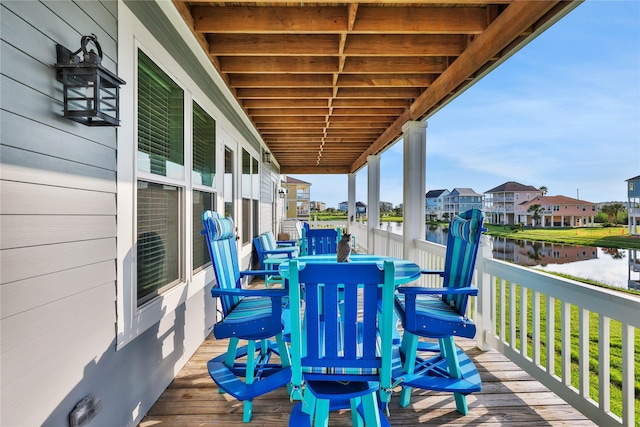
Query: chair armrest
{"points": [[271, 292], [287, 242], [281, 251], [418, 290], [258, 273]]}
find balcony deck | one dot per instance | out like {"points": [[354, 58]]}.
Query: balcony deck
{"points": [[509, 397]]}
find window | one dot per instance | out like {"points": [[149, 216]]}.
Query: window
{"points": [[228, 184], [203, 180], [202, 201], [250, 192], [631, 186], [158, 255], [160, 163]]}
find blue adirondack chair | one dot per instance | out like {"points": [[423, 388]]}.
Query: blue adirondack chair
{"points": [[274, 244], [338, 355], [285, 245], [272, 256], [254, 315], [319, 241], [440, 313]]}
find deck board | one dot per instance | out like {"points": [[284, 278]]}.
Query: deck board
{"points": [[509, 397]]}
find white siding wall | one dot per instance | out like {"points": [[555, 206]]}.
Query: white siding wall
{"points": [[58, 224], [58, 220]]}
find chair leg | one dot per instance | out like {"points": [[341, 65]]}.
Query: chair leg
{"points": [[322, 413], [249, 377], [448, 350], [356, 420], [409, 348], [232, 350], [370, 407]]}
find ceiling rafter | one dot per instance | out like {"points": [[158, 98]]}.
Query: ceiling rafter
{"points": [[328, 83]]}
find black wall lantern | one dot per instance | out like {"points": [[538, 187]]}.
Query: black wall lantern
{"points": [[91, 92], [266, 157]]}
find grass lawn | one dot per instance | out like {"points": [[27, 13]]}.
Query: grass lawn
{"points": [[615, 346], [605, 237]]}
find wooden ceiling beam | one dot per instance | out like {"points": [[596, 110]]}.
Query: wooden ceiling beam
{"points": [[273, 44], [323, 170], [279, 64], [405, 44], [422, 80], [246, 19], [367, 111], [270, 93], [421, 20], [370, 103], [391, 64], [280, 80], [326, 80], [256, 113], [285, 103], [362, 119], [379, 92], [335, 19]]}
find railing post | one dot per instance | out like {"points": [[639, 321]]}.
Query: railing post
{"points": [[484, 322]]}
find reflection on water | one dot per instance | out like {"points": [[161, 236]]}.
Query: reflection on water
{"points": [[614, 267]]}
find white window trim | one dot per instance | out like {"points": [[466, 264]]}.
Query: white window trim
{"points": [[132, 321]]}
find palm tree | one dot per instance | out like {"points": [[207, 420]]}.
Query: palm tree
{"points": [[612, 211], [544, 190], [536, 210]]}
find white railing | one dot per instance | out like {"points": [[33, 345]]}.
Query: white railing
{"points": [[520, 310]]}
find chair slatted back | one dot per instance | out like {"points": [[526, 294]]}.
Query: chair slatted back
{"points": [[268, 241], [319, 241], [221, 241], [340, 343], [463, 241]]}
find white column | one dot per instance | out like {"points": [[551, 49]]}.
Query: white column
{"points": [[373, 200], [351, 201], [414, 167]]}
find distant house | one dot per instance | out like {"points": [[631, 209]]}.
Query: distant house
{"points": [[361, 208], [633, 204], [557, 211], [386, 206], [435, 203], [318, 206], [461, 200], [500, 202], [298, 198]]}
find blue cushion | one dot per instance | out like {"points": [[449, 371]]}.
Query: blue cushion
{"points": [[224, 228], [465, 229]]}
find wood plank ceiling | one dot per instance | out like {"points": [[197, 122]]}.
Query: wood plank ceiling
{"points": [[327, 84]]}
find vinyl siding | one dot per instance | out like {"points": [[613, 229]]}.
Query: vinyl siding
{"points": [[58, 223]]}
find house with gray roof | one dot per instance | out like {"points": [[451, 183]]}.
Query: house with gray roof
{"points": [[461, 200], [500, 202], [435, 203]]}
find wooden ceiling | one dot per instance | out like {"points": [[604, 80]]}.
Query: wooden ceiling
{"points": [[328, 83]]}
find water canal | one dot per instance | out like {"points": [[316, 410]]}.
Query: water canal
{"points": [[614, 267]]}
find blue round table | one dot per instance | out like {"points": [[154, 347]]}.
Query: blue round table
{"points": [[405, 271]]}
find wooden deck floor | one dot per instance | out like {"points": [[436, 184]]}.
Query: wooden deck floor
{"points": [[509, 397]]}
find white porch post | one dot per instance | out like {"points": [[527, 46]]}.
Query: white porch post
{"points": [[373, 200], [351, 201], [414, 174]]}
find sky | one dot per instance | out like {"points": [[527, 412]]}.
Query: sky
{"points": [[563, 112]]}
